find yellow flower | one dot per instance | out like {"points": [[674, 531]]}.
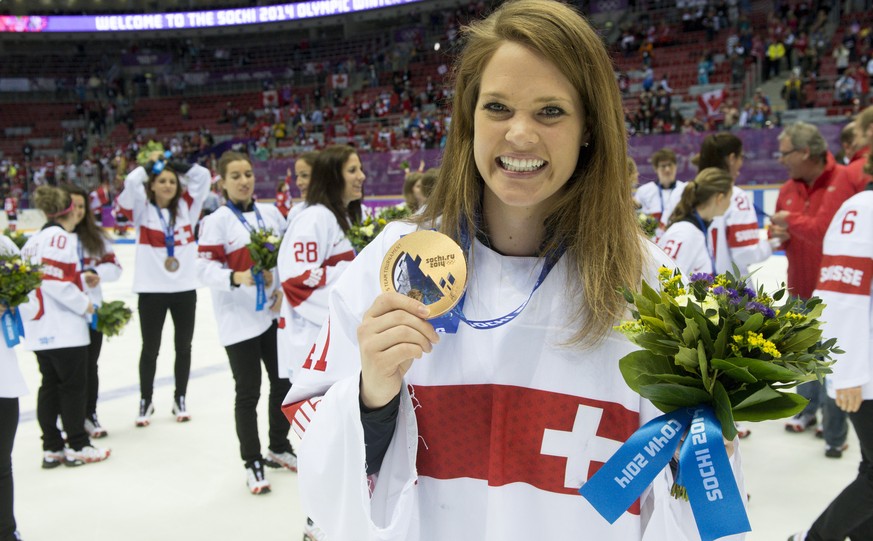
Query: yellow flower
{"points": [[367, 230]]}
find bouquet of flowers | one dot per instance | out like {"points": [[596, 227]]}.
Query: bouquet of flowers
{"points": [[361, 235], [648, 223], [717, 342], [18, 277], [17, 237], [145, 152], [264, 249], [112, 317]]}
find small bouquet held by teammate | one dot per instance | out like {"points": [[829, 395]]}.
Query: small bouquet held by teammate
{"points": [[361, 235], [264, 248], [112, 317], [18, 277]]}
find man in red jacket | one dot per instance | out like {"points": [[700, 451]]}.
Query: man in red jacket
{"points": [[807, 202]]}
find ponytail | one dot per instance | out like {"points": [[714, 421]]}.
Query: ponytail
{"points": [[707, 183]]}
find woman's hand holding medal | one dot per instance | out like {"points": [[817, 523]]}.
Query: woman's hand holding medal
{"points": [[393, 333]]}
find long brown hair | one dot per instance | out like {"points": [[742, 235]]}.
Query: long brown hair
{"points": [[91, 236], [173, 206], [594, 216], [327, 185], [716, 148]]}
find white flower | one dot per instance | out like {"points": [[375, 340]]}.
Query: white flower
{"points": [[367, 230], [273, 239], [709, 303]]}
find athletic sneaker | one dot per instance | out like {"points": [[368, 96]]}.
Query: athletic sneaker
{"points": [[52, 459], [799, 536], [800, 422], [146, 409], [311, 532], [180, 410], [835, 452], [255, 478], [93, 428], [281, 460], [85, 455]]}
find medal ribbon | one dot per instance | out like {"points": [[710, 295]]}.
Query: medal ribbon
{"points": [[449, 322], [13, 327], [81, 252], [702, 225], [169, 233], [260, 284], [704, 471]]}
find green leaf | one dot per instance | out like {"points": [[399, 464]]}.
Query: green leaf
{"points": [[752, 397], [687, 358], [664, 312], [703, 326], [675, 395], [733, 371], [766, 370], [638, 363], [786, 405], [656, 323], [688, 381], [653, 296], [645, 306], [703, 364], [752, 324], [722, 407], [800, 341], [656, 344], [720, 344]]}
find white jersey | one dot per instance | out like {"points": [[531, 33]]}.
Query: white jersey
{"points": [[107, 268], [295, 209], [656, 200], [222, 251], [149, 273], [687, 245], [55, 316], [497, 429], [314, 254], [11, 381], [738, 236], [844, 285]]}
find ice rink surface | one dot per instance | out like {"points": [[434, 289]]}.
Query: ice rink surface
{"points": [[186, 482]]}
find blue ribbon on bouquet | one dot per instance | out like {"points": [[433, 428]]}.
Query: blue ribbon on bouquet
{"points": [[261, 290], [704, 471], [94, 318], [13, 327]]}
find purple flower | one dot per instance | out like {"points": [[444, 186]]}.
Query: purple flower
{"points": [[719, 290], [269, 247], [749, 292], [761, 308], [702, 277]]}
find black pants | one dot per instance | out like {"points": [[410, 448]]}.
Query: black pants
{"points": [[153, 309], [93, 378], [8, 427], [64, 381], [851, 513], [245, 363]]}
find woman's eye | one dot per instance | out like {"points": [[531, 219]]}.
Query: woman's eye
{"points": [[494, 107], [553, 111]]}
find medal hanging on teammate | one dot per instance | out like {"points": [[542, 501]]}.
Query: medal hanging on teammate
{"points": [[171, 263]]}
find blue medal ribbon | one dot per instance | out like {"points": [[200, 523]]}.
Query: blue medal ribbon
{"points": [[704, 471], [13, 326], [448, 323], [169, 233], [260, 284], [94, 319]]}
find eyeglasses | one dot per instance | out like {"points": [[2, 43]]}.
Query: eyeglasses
{"points": [[786, 153]]}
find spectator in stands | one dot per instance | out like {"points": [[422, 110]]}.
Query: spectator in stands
{"points": [[807, 202], [791, 90]]}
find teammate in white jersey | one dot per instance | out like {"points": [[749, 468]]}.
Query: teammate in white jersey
{"points": [[246, 308], [488, 433], [12, 386], [302, 172], [165, 274], [99, 265], [659, 198], [56, 321], [844, 285], [690, 239], [738, 239]]}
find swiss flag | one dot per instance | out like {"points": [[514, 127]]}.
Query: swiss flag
{"points": [[711, 101]]}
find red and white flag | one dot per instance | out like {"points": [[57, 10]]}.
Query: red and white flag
{"points": [[710, 102]]}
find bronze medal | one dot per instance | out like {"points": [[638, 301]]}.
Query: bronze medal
{"points": [[171, 264], [427, 266]]}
